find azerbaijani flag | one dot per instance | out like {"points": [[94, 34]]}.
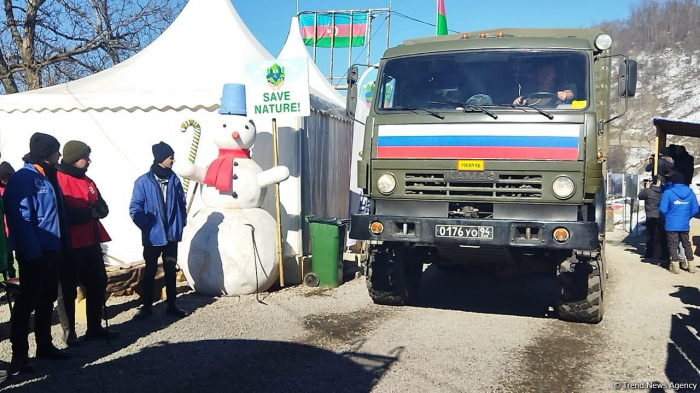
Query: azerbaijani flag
{"points": [[480, 141], [441, 18], [341, 36]]}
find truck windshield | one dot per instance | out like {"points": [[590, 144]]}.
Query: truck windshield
{"points": [[440, 82]]}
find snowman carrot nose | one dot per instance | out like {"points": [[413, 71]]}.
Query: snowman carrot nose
{"points": [[235, 135]]}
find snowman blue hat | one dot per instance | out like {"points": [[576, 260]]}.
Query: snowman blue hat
{"points": [[233, 100]]}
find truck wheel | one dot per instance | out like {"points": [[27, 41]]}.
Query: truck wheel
{"points": [[393, 277], [580, 290]]}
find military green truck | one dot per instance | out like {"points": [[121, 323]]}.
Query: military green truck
{"points": [[489, 148]]}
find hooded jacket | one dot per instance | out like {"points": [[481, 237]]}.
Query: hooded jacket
{"points": [[652, 198], [678, 205], [32, 209]]}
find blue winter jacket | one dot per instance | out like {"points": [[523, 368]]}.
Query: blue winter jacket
{"points": [[678, 205], [32, 210], [148, 211]]}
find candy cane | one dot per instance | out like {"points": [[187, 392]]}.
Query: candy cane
{"points": [[193, 147]]}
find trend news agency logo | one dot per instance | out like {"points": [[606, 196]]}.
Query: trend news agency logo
{"points": [[275, 77]]}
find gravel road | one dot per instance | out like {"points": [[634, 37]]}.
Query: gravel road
{"points": [[470, 332]]}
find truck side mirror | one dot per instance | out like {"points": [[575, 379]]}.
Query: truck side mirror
{"points": [[627, 78], [351, 97]]}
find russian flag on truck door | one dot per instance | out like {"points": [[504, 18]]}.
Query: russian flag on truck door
{"points": [[483, 141]]}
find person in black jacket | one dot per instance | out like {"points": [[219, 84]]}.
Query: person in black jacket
{"points": [[651, 195], [684, 163], [666, 164]]}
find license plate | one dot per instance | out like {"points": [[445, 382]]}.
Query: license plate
{"points": [[463, 231], [470, 165]]}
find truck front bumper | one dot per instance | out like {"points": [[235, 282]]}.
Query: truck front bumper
{"points": [[476, 232]]}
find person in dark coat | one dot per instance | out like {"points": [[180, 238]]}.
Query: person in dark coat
{"points": [[6, 170], [85, 262], [158, 209], [678, 205], [39, 235], [685, 164], [651, 195], [666, 164]]}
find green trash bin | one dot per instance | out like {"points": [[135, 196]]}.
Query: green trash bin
{"points": [[327, 246]]}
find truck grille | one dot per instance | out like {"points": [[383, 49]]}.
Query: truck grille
{"points": [[507, 186]]}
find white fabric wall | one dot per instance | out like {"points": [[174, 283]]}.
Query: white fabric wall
{"points": [[121, 151]]}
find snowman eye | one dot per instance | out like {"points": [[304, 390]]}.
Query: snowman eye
{"points": [[246, 127]]}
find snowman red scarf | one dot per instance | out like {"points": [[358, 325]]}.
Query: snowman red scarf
{"points": [[220, 171]]}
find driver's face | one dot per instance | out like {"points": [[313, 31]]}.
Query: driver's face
{"points": [[545, 75]]}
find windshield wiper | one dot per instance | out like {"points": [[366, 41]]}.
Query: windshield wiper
{"points": [[546, 114], [415, 110], [464, 106]]}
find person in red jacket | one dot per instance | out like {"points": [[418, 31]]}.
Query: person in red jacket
{"points": [[84, 264]]}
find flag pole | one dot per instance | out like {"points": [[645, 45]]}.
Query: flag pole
{"points": [[315, 33], [352, 20], [330, 76]]}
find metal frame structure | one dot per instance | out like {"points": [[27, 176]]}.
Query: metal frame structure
{"points": [[371, 14]]}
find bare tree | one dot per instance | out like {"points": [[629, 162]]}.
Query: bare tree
{"points": [[44, 42]]}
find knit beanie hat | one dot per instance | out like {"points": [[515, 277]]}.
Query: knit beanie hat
{"points": [[161, 151], [6, 169], [677, 178], [74, 150], [41, 146]]}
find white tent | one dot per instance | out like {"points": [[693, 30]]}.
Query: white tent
{"points": [[121, 112]]}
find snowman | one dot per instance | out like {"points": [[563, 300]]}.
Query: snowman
{"points": [[229, 246]]}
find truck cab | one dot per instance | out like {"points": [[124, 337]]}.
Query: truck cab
{"points": [[489, 148]]}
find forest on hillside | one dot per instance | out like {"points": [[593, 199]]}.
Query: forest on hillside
{"points": [[656, 25], [664, 37]]}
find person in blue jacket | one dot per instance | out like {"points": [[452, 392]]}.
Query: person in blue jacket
{"points": [[158, 209], [39, 235], [678, 205]]}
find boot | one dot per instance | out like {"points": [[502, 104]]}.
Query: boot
{"points": [[691, 266], [176, 311], [101, 334], [144, 313], [684, 264], [70, 338], [52, 353], [674, 267], [20, 364]]}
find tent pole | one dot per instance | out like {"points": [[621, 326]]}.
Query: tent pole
{"points": [[315, 34], [277, 204]]}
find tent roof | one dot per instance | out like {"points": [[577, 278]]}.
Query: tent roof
{"points": [[294, 48], [677, 127], [186, 67]]}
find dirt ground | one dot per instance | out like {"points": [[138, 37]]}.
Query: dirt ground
{"points": [[469, 332]]}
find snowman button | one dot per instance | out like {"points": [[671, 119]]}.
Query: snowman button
{"points": [[235, 195], [235, 177], [235, 163]]}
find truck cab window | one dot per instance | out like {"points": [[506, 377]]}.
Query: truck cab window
{"points": [[556, 80]]}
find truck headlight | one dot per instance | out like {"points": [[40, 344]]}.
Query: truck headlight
{"points": [[603, 42], [386, 183], [563, 187]]}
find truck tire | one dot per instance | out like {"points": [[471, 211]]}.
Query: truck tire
{"points": [[394, 275], [580, 290]]}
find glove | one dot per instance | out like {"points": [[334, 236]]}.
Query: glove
{"points": [[98, 211]]}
